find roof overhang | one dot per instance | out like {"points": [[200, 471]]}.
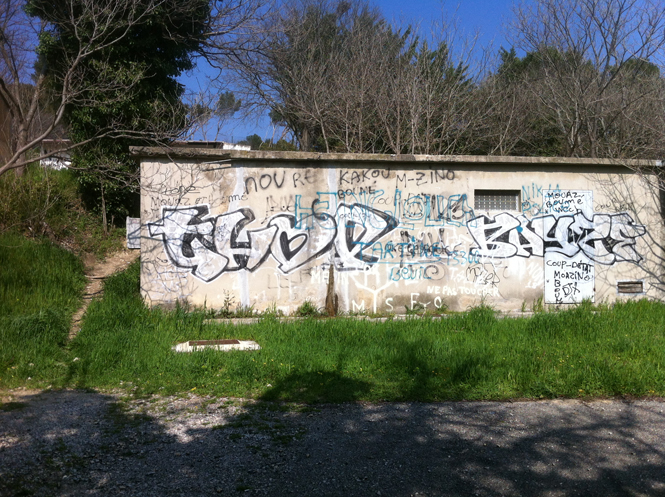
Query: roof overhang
{"points": [[208, 154]]}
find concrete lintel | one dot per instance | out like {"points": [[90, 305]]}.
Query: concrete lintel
{"points": [[206, 154]]}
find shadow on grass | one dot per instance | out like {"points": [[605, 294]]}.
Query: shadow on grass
{"points": [[464, 371], [322, 386], [74, 442]]}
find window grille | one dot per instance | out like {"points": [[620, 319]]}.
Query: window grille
{"points": [[496, 200]]}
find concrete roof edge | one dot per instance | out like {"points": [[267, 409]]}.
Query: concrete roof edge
{"points": [[269, 155]]}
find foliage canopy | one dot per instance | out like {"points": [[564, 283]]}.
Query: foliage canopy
{"points": [[143, 102]]}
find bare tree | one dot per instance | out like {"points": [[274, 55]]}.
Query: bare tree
{"points": [[342, 78], [598, 77], [236, 28], [315, 79], [443, 93], [23, 83], [37, 108], [317, 67]]}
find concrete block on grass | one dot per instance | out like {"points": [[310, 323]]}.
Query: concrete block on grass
{"points": [[221, 345]]}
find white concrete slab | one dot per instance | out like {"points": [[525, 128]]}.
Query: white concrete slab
{"points": [[221, 345]]}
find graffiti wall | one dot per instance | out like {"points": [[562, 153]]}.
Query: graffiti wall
{"points": [[270, 231]]}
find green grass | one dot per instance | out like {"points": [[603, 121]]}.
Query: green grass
{"points": [[577, 353], [582, 352], [37, 276], [40, 288]]}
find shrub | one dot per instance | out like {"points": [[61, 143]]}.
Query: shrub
{"points": [[46, 203], [307, 310]]}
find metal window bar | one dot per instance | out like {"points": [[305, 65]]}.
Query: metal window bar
{"points": [[496, 200]]}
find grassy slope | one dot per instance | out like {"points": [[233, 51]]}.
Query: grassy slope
{"points": [[41, 284], [617, 351], [45, 203], [40, 288]]}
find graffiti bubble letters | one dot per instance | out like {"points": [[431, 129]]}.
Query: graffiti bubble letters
{"points": [[605, 238], [505, 236], [297, 246], [212, 245], [361, 227]]}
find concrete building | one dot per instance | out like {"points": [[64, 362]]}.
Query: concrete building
{"points": [[195, 144], [381, 233], [60, 150]]}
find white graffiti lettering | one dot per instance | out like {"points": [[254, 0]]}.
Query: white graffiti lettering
{"points": [[605, 238], [212, 245]]}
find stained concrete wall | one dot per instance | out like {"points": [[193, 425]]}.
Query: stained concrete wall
{"points": [[263, 229]]}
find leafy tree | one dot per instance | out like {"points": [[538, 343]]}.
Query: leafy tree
{"points": [[552, 102], [257, 143], [518, 122], [280, 145], [442, 95], [148, 58], [25, 90], [227, 104], [254, 141]]}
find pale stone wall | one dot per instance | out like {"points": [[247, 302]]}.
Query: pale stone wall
{"points": [[263, 228]]}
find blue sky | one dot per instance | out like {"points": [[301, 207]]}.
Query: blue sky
{"points": [[485, 17], [488, 16]]}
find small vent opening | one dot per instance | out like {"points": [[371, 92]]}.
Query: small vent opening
{"points": [[630, 287]]}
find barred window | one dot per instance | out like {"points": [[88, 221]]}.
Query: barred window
{"points": [[496, 200]]}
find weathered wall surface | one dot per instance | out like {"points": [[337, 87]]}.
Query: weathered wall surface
{"points": [[256, 232]]}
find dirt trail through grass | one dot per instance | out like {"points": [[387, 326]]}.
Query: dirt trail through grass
{"points": [[96, 275]]}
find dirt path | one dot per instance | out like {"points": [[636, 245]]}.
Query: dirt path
{"points": [[96, 275]]}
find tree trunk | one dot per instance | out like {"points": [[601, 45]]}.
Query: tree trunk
{"points": [[104, 223]]}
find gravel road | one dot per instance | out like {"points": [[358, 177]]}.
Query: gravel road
{"points": [[74, 443]]}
